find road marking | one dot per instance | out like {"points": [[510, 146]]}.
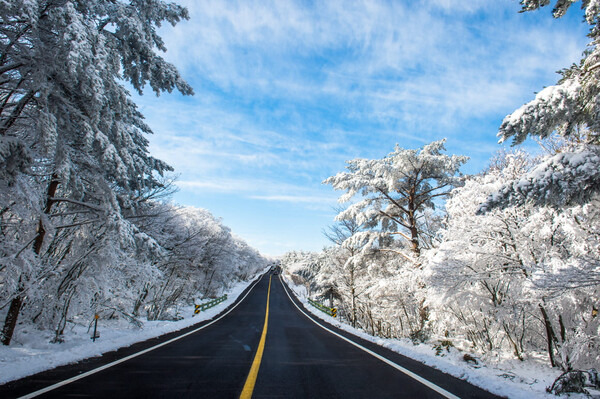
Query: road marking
{"points": [[409, 373], [106, 366], [251, 379]]}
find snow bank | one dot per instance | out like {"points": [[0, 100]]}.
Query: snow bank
{"points": [[32, 352]]}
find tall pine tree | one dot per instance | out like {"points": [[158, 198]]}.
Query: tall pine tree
{"points": [[395, 191], [72, 141]]}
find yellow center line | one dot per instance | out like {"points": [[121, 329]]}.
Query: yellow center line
{"points": [[251, 379]]}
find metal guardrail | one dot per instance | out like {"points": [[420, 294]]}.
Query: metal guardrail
{"points": [[209, 304], [325, 309]]}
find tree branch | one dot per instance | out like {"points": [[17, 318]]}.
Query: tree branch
{"points": [[17, 111], [400, 222], [66, 226], [399, 253], [393, 201], [58, 199]]}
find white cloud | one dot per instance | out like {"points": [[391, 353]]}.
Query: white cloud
{"points": [[286, 91], [262, 189], [296, 199], [286, 49]]}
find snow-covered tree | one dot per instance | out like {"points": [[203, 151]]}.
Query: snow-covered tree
{"points": [[71, 138], [394, 192], [498, 278], [574, 101], [483, 263], [569, 108], [566, 178], [345, 262], [307, 269], [559, 200], [200, 258]]}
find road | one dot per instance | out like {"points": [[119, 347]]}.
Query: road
{"points": [[300, 360]]}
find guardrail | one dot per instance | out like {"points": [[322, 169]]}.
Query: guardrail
{"points": [[209, 304], [325, 309]]}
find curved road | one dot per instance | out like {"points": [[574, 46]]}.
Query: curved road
{"points": [[300, 360]]}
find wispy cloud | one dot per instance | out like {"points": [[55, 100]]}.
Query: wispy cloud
{"points": [[296, 199], [264, 190], [373, 56], [287, 90]]}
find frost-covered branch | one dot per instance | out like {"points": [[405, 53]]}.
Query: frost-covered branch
{"points": [[563, 179], [80, 203]]}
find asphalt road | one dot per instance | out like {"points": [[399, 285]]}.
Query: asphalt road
{"points": [[300, 360]]}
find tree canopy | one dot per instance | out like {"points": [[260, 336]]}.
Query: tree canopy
{"points": [[394, 191]]}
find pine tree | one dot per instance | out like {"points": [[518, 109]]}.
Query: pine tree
{"points": [[573, 101], [568, 108], [69, 131], [395, 191]]}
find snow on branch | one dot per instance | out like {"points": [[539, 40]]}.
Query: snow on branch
{"points": [[563, 179], [555, 107]]}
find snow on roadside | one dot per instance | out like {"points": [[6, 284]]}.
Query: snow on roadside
{"points": [[31, 351], [507, 377]]}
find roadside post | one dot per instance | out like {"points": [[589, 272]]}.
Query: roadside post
{"points": [[96, 334], [331, 299]]}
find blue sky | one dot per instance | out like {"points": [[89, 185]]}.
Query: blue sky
{"points": [[287, 91]]}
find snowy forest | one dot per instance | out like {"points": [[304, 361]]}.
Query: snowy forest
{"points": [[86, 226], [504, 263]]}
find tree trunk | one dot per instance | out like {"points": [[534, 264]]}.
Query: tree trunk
{"points": [[11, 319], [207, 286], [41, 231], [516, 349], [16, 304], [62, 322], [412, 222], [371, 321], [353, 291], [140, 300], [353, 294], [415, 240], [550, 336]]}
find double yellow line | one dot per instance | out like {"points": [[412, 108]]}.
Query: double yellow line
{"points": [[251, 379]]}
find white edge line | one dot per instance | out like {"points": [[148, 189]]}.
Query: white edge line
{"points": [[96, 370], [409, 373]]}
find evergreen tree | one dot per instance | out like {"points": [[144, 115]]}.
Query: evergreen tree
{"points": [[568, 108], [395, 191], [69, 132]]}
